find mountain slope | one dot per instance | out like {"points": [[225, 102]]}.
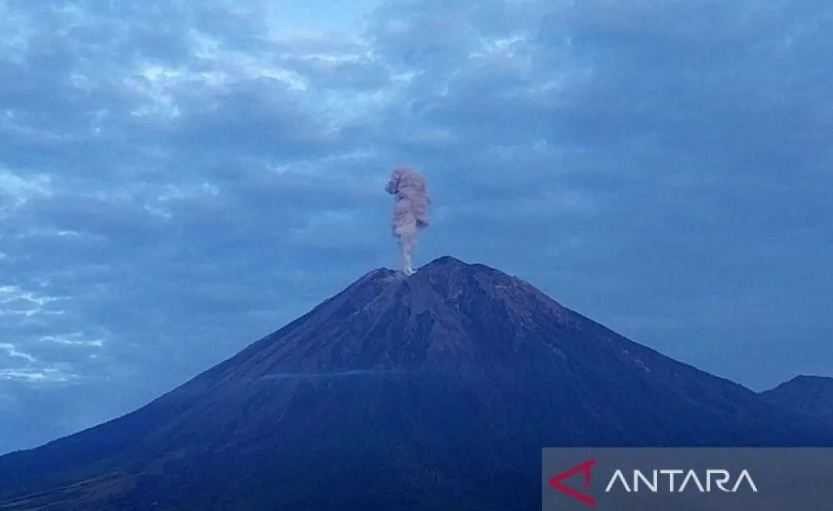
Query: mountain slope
{"points": [[433, 391], [808, 395]]}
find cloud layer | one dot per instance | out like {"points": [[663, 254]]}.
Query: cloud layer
{"points": [[176, 178]]}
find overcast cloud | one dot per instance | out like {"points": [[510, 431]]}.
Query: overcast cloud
{"points": [[178, 179]]}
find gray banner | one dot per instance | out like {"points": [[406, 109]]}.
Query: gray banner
{"points": [[682, 479]]}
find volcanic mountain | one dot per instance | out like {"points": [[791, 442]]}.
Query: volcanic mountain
{"points": [[433, 391]]}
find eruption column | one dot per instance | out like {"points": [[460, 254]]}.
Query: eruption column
{"points": [[410, 211]]}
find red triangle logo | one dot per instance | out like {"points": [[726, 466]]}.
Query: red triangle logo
{"points": [[585, 468]]}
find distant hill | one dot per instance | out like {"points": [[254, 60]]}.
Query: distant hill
{"points": [[432, 392], [809, 395]]}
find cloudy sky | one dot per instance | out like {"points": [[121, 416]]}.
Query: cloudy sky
{"points": [[180, 178]]}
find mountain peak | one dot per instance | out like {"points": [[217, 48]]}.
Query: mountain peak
{"points": [[440, 264], [409, 321], [446, 260], [439, 282]]}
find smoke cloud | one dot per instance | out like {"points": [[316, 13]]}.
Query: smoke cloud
{"points": [[410, 211]]}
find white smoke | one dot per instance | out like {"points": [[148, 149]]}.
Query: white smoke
{"points": [[410, 211]]}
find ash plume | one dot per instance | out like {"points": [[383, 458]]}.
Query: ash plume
{"points": [[410, 211]]}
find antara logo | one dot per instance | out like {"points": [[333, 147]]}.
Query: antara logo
{"points": [[586, 469], [653, 481], [678, 481]]}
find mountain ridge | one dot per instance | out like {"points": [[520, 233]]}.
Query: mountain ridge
{"points": [[805, 394], [399, 392]]}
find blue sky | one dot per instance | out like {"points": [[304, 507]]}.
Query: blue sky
{"points": [[178, 179]]}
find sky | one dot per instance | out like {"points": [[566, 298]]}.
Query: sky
{"points": [[179, 179]]}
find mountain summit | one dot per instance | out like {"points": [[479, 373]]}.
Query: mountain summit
{"points": [[430, 391]]}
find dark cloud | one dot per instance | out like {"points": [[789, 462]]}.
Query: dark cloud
{"points": [[177, 180]]}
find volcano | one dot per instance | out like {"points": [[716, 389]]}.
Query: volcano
{"points": [[433, 391]]}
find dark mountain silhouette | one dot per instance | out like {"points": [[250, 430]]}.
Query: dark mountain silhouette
{"points": [[808, 395], [435, 391]]}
